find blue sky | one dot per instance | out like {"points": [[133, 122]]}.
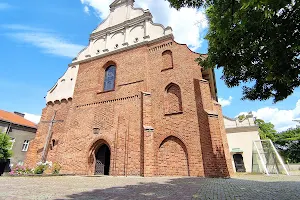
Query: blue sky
{"points": [[40, 38]]}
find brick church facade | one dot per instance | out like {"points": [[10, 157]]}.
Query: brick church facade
{"points": [[134, 102]]}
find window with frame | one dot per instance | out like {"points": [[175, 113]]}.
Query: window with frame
{"points": [[25, 145], [110, 78]]}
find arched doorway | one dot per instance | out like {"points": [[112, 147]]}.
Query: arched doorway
{"points": [[239, 163], [102, 156]]}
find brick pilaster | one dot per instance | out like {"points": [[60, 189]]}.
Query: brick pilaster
{"points": [[148, 131], [212, 140]]}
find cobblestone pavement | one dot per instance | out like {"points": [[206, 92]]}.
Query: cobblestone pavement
{"points": [[119, 188]]}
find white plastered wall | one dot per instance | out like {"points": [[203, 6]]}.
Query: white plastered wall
{"points": [[125, 26], [240, 135], [64, 87], [243, 141]]}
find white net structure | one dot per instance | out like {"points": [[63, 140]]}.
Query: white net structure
{"points": [[266, 159]]}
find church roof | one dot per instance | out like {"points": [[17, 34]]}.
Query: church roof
{"points": [[16, 119]]}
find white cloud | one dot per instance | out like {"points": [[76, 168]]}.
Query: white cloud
{"points": [[48, 41], [86, 10], [20, 27], [31, 117], [225, 102], [4, 6], [188, 24], [50, 44], [282, 119], [101, 7]]}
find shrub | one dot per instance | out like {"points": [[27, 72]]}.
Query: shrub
{"points": [[20, 170], [56, 168], [5, 145], [241, 118], [41, 167]]}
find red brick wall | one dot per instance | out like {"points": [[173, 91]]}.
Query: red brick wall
{"points": [[167, 60], [59, 129], [173, 101], [227, 155], [172, 158], [121, 115], [32, 153]]}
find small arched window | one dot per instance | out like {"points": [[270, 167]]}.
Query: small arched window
{"points": [[167, 59], [52, 144], [173, 102], [110, 77]]}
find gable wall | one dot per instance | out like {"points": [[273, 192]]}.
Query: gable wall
{"points": [[122, 114]]}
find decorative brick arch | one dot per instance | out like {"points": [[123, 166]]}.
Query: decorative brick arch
{"points": [[173, 100], [93, 147], [109, 63], [172, 157], [167, 57]]}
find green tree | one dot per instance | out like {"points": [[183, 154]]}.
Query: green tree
{"points": [[5, 145], [266, 130], [254, 41], [241, 117], [288, 142]]}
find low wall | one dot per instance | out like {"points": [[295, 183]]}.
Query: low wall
{"points": [[293, 167]]}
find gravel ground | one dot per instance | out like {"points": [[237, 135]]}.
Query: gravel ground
{"points": [[119, 188]]}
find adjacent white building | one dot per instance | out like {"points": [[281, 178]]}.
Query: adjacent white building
{"points": [[240, 136]]}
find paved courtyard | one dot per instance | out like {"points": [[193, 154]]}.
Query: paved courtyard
{"points": [[119, 188]]}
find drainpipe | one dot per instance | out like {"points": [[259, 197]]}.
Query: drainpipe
{"points": [[8, 129]]}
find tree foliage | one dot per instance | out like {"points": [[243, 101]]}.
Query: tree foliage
{"points": [[241, 117], [287, 142], [266, 130], [186, 3], [254, 41], [5, 145]]}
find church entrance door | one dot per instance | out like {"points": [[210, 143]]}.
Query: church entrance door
{"points": [[239, 163], [102, 160]]}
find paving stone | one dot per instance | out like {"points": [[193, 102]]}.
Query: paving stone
{"points": [[117, 188]]}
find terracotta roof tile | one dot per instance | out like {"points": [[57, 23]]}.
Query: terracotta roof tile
{"points": [[16, 119]]}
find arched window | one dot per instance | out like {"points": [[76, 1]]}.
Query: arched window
{"points": [[173, 102], [110, 77], [167, 59]]}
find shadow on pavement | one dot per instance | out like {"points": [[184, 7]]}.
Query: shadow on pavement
{"points": [[198, 188]]}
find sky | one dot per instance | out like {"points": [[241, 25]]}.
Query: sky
{"points": [[40, 38]]}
